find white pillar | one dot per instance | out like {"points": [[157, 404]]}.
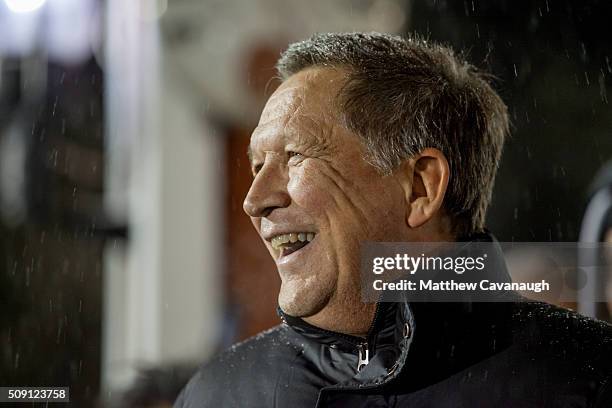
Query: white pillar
{"points": [[162, 287]]}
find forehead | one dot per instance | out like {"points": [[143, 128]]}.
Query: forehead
{"points": [[304, 105]]}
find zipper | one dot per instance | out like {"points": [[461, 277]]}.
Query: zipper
{"points": [[364, 356], [363, 347]]}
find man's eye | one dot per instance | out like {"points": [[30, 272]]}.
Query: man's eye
{"points": [[294, 158], [256, 168]]}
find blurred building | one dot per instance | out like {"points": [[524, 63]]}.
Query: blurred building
{"points": [[51, 194]]}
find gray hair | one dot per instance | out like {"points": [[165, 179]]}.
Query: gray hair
{"points": [[403, 95]]}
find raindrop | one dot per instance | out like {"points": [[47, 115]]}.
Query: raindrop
{"points": [[602, 88], [54, 106], [59, 334], [584, 52]]}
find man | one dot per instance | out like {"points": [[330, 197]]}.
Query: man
{"points": [[372, 137]]}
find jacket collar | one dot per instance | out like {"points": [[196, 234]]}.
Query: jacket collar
{"points": [[445, 337], [385, 318]]}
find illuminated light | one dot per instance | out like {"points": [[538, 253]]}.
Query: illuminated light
{"points": [[24, 6]]}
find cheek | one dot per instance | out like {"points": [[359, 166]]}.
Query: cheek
{"points": [[308, 188], [367, 207]]}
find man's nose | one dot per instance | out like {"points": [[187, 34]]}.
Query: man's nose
{"points": [[267, 193]]}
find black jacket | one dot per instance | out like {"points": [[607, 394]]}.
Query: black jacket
{"points": [[510, 354]]}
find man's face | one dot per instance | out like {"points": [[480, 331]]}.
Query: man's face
{"points": [[314, 199]]}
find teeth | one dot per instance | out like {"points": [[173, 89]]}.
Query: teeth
{"points": [[292, 237]]}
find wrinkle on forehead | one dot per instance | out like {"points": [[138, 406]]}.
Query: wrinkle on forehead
{"points": [[305, 103], [314, 133], [283, 103]]}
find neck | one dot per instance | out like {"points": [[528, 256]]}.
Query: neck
{"points": [[354, 321]]}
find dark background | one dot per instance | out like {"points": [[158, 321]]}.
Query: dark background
{"points": [[553, 64]]}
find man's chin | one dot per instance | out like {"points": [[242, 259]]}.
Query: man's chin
{"points": [[301, 303]]}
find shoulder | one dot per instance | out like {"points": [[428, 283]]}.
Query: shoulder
{"points": [[248, 366], [554, 325], [565, 339]]}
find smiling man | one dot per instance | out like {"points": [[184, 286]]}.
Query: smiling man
{"points": [[315, 199], [373, 137]]}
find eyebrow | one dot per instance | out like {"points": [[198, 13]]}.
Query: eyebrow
{"points": [[317, 142]]}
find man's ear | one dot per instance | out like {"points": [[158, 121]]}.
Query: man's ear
{"points": [[424, 179]]}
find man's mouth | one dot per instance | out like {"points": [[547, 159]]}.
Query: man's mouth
{"points": [[289, 243]]}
